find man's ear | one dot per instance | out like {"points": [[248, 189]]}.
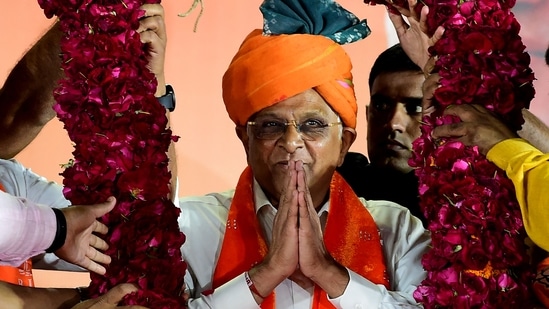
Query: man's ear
{"points": [[242, 134], [347, 139]]}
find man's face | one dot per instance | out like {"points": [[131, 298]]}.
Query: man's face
{"points": [[321, 149], [394, 116]]}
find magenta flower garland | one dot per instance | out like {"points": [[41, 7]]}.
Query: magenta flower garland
{"points": [[106, 102], [478, 257]]}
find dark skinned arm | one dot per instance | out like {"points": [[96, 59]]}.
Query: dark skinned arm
{"points": [[19, 297], [26, 98]]}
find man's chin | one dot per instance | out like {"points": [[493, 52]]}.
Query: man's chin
{"points": [[399, 165]]}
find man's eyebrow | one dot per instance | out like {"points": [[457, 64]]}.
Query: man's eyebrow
{"points": [[412, 100], [380, 97], [308, 114], [268, 115], [313, 114], [405, 100]]}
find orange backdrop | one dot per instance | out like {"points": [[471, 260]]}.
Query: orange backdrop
{"points": [[210, 157]]}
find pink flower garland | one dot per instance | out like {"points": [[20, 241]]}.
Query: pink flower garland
{"points": [[478, 257], [107, 104]]}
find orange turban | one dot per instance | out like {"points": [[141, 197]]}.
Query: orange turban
{"points": [[269, 69]]}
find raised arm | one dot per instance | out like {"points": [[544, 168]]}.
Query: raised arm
{"points": [[153, 34], [535, 131], [26, 98], [412, 32]]}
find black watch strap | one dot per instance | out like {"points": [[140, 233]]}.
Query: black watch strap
{"points": [[168, 100], [60, 233]]}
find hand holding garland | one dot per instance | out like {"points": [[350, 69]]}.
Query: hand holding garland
{"points": [[152, 32], [20, 297], [33, 228], [111, 299], [413, 32], [81, 246], [478, 127]]}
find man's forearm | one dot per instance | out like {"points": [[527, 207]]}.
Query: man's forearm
{"points": [[19, 297], [26, 98], [535, 131], [333, 280]]}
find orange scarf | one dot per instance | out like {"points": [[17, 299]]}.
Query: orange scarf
{"points": [[21, 275], [351, 236]]}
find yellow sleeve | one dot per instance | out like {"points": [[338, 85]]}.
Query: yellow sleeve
{"points": [[528, 168]]}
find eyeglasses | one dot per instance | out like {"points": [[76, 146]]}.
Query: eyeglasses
{"points": [[309, 130]]}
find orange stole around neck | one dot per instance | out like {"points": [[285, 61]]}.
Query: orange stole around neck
{"points": [[21, 275], [351, 236]]}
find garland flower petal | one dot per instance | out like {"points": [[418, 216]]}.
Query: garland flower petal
{"points": [[106, 102], [478, 258]]}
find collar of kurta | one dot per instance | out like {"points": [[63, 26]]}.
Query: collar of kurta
{"points": [[351, 237]]}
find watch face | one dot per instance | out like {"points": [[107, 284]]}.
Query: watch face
{"points": [[168, 100]]}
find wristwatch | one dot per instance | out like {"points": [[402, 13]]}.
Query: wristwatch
{"points": [[168, 100]]}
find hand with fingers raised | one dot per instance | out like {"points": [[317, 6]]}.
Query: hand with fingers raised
{"points": [[152, 32], [413, 32], [82, 247], [430, 85]]}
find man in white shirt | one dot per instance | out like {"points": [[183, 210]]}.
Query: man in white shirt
{"points": [[293, 234]]}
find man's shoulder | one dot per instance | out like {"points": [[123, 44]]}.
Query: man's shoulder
{"points": [[11, 164], [383, 205], [210, 200], [12, 176], [204, 214], [390, 215]]}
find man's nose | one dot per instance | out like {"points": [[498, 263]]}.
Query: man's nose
{"points": [[291, 140], [400, 119]]}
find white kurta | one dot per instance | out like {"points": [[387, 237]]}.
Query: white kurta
{"points": [[203, 221]]}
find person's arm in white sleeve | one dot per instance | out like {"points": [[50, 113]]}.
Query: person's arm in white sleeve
{"points": [[233, 294], [43, 191], [26, 229], [21, 181], [404, 242]]}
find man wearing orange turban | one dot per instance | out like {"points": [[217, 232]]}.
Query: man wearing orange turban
{"points": [[289, 64], [293, 234]]}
